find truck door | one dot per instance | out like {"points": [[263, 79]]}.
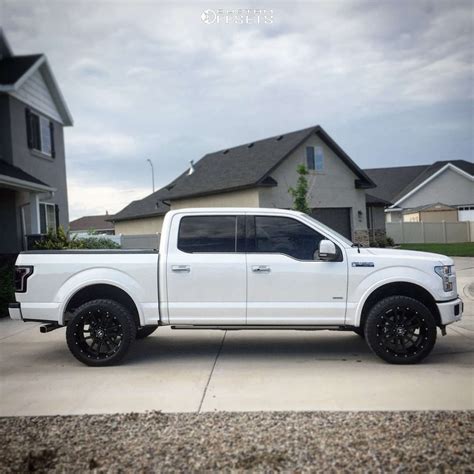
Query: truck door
{"points": [[287, 284], [206, 271]]}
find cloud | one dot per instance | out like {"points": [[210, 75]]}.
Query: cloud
{"points": [[108, 144], [151, 80], [99, 199]]}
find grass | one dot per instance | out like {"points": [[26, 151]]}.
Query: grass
{"points": [[462, 249]]}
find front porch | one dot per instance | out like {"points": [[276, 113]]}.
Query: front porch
{"points": [[26, 209]]}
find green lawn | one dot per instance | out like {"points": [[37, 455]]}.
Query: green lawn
{"points": [[463, 249]]}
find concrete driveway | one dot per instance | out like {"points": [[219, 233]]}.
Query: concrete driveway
{"points": [[195, 371]]}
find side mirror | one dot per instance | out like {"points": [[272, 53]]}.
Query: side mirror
{"points": [[327, 250]]}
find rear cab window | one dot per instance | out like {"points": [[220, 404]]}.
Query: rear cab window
{"points": [[210, 234]]}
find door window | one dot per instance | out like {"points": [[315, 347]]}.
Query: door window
{"points": [[284, 235], [208, 234]]}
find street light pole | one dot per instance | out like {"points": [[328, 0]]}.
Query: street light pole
{"points": [[152, 174]]}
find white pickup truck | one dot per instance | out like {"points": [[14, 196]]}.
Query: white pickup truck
{"points": [[237, 268]]}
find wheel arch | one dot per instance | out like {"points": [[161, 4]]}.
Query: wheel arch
{"points": [[99, 291], [398, 288]]}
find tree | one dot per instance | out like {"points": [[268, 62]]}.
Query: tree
{"points": [[300, 193]]}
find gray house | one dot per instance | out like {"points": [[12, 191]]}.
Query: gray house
{"points": [[258, 174], [33, 190], [408, 190]]}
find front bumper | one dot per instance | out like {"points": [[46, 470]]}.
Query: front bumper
{"points": [[14, 309], [450, 311]]}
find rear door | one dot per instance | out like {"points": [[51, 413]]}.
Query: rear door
{"points": [[206, 271], [287, 284]]}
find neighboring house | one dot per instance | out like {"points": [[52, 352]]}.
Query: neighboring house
{"points": [[421, 187], [33, 191], [258, 174], [438, 212], [97, 224]]}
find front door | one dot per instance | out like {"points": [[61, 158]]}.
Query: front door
{"points": [[287, 284], [206, 274]]}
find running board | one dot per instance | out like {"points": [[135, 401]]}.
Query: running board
{"points": [[236, 327]]}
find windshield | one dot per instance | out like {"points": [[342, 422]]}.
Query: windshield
{"points": [[332, 231]]}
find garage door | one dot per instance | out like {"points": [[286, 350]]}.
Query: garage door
{"points": [[466, 213], [338, 218]]}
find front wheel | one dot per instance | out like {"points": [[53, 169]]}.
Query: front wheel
{"points": [[100, 332], [400, 330]]}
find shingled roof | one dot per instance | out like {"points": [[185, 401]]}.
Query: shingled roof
{"points": [[244, 166], [394, 183], [14, 68], [10, 171], [99, 222]]}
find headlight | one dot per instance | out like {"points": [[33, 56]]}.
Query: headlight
{"points": [[445, 272]]}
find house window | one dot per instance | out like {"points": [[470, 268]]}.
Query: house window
{"points": [[319, 159], [314, 158], [310, 157], [47, 217], [40, 133]]}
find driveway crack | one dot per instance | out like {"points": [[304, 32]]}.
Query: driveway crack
{"points": [[212, 371]]}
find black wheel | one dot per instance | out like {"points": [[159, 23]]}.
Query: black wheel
{"points": [[100, 332], [360, 332], [400, 330], [145, 331]]}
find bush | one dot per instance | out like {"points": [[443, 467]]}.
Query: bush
{"points": [[7, 289], [382, 242], [59, 241]]}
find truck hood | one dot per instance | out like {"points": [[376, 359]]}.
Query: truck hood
{"points": [[394, 253]]}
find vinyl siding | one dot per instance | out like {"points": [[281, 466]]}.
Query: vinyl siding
{"points": [[147, 225], [243, 198], [35, 92], [449, 188]]}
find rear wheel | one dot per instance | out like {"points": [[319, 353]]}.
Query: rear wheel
{"points": [[100, 332], [145, 331], [400, 330]]}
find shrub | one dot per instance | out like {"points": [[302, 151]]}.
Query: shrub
{"points": [[7, 289], [382, 242], [59, 241]]}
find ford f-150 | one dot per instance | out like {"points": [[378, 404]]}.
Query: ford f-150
{"points": [[236, 268]]}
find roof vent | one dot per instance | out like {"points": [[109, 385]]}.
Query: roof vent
{"points": [[279, 138], [191, 168], [251, 145], [225, 152]]}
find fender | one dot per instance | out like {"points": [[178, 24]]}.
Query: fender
{"points": [[94, 276], [383, 277]]}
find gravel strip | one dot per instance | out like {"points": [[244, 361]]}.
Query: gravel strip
{"points": [[270, 441]]}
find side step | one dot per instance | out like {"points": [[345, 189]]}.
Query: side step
{"points": [[236, 327]]}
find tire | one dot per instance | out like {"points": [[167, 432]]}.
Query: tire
{"points": [[400, 330], [360, 332], [145, 331], [100, 332]]}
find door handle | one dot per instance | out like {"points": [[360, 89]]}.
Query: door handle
{"points": [[261, 269], [181, 268]]}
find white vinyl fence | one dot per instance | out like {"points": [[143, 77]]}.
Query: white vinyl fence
{"points": [[430, 232]]}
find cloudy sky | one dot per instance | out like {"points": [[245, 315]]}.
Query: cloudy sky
{"points": [[390, 81]]}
